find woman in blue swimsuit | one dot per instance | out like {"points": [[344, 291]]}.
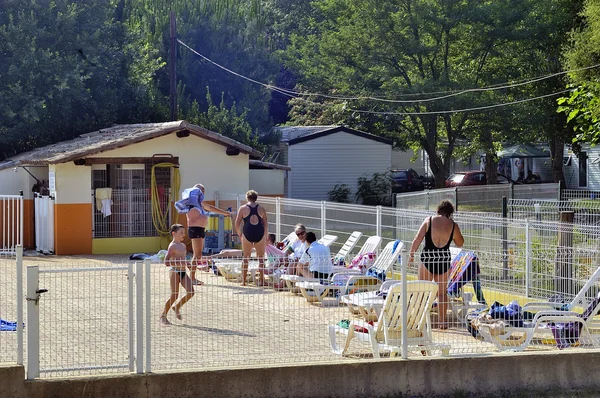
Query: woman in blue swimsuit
{"points": [[251, 224], [438, 231]]}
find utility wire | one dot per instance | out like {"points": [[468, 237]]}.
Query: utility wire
{"points": [[298, 95]]}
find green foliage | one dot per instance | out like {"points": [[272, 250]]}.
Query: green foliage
{"points": [[399, 50], [582, 106], [68, 68], [376, 190], [222, 120], [340, 193]]}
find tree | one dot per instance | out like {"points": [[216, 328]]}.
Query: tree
{"points": [[582, 106], [402, 48], [68, 68]]}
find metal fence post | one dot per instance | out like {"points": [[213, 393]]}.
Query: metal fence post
{"points": [[139, 317], [427, 200], [131, 315], [19, 304], [278, 219], [403, 267], [378, 220], [528, 254], [148, 316], [33, 323], [455, 198], [323, 223], [21, 221], [504, 239]]}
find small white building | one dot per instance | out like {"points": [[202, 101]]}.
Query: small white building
{"points": [[322, 156], [582, 170]]}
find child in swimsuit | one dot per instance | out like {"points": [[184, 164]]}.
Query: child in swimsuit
{"points": [[177, 263]]}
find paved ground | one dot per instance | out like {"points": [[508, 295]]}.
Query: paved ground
{"points": [[84, 320]]}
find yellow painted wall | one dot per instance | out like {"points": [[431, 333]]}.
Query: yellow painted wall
{"points": [[267, 182], [201, 161], [128, 245]]}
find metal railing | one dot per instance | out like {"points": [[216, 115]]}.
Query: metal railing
{"points": [[130, 214], [101, 317], [586, 212], [485, 198], [11, 222]]}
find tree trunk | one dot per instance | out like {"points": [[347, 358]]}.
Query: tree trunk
{"points": [[557, 152], [491, 160]]}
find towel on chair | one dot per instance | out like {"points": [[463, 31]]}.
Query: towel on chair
{"points": [[6, 326], [103, 200], [190, 198]]}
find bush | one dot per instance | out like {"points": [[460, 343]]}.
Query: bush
{"points": [[340, 193], [375, 190]]}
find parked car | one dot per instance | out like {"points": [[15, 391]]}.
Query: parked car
{"points": [[475, 177], [406, 180]]}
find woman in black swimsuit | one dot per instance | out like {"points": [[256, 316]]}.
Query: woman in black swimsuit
{"points": [[251, 224], [439, 232]]}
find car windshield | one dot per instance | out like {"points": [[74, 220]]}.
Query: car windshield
{"points": [[456, 177], [400, 175]]}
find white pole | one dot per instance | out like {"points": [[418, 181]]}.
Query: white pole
{"points": [[278, 219], [20, 304], [148, 317], [33, 323], [21, 222], [378, 221], [323, 213], [527, 259], [139, 317], [130, 313], [403, 267]]}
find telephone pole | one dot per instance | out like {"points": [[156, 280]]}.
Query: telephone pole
{"points": [[173, 67]]}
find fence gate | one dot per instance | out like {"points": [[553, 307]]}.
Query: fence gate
{"points": [[11, 221], [80, 320], [44, 223]]}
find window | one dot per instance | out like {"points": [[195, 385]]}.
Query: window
{"points": [[131, 206], [583, 169]]}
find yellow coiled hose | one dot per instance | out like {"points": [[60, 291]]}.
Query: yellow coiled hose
{"points": [[160, 214]]}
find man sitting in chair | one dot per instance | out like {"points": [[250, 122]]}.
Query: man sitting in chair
{"points": [[316, 260]]}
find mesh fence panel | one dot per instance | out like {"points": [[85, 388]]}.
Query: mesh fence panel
{"points": [[8, 308], [83, 319]]}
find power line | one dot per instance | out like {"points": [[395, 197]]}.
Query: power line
{"points": [[294, 94]]}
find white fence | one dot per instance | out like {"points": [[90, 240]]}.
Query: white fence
{"points": [[101, 317], [485, 198], [586, 212], [44, 223], [11, 221]]}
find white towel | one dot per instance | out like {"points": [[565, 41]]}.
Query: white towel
{"points": [[106, 207]]}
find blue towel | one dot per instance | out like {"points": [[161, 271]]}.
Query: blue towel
{"points": [[190, 198], [6, 326]]}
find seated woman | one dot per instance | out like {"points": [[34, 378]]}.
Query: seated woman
{"points": [[296, 249]]}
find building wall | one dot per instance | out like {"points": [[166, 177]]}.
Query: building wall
{"points": [[200, 161], [11, 183], [593, 169], [321, 163], [72, 209], [267, 182], [403, 160]]}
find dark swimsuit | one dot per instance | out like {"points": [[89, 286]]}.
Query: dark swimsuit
{"points": [[437, 260], [196, 232], [253, 232]]}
